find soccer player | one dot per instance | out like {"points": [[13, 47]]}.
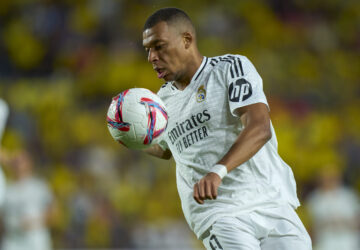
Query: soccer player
{"points": [[28, 206], [236, 191]]}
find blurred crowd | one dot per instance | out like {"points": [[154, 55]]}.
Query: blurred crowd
{"points": [[62, 61]]}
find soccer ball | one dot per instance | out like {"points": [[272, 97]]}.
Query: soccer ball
{"points": [[137, 118]]}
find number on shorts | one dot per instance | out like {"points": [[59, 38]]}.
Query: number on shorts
{"points": [[214, 239]]}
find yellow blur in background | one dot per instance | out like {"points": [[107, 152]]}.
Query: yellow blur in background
{"points": [[62, 61]]}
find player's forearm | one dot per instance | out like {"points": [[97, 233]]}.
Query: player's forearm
{"points": [[249, 142]]}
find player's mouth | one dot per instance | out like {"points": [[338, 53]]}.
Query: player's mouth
{"points": [[160, 72]]}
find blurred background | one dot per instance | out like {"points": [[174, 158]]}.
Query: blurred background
{"points": [[61, 62]]}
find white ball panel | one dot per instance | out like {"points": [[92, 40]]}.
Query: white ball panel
{"points": [[136, 114]]}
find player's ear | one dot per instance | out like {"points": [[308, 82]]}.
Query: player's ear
{"points": [[187, 39]]}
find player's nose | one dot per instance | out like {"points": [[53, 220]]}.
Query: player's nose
{"points": [[152, 56]]}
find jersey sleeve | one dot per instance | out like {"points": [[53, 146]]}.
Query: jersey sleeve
{"points": [[244, 84]]}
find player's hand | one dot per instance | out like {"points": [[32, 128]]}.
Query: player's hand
{"points": [[206, 188]]}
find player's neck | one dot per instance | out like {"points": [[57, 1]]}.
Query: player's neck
{"points": [[192, 66]]}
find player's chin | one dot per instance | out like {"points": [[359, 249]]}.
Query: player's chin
{"points": [[168, 77]]}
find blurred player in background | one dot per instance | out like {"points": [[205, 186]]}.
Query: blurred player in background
{"points": [[27, 207], [236, 191], [334, 211], [4, 113]]}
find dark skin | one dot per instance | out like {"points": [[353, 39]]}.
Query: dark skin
{"points": [[173, 53], [255, 134]]}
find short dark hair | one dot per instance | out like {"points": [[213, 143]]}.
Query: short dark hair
{"points": [[167, 15]]}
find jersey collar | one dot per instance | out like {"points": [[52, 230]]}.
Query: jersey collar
{"points": [[201, 68]]}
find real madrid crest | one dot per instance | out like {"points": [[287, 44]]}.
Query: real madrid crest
{"points": [[201, 94]]}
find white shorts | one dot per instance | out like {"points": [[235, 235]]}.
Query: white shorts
{"points": [[277, 228]]}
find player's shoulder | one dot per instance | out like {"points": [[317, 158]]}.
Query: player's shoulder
{"points": [[223, 63]]}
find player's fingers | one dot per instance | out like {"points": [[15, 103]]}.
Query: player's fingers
{"points": [[214, 190], [201, 186], [196, 194], [208, 191]]}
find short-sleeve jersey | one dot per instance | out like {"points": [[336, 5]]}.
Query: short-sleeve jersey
{"points": [[330, 211], [26, 200], [202, 127]]}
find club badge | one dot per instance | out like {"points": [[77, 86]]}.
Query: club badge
{"points": [[201, 94]]}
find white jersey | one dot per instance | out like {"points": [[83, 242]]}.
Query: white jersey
{"points": [[4, 113], [201, 129], [333, 212], [26, 201]]}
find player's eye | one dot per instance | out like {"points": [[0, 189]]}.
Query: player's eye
{"points": [[159, 47]]}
